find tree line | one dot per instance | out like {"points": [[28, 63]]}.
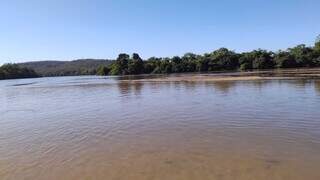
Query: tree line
{"points": [[218, 60], [14, 71]]}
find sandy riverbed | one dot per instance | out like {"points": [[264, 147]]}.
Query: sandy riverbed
{"points": [[235, 76]]}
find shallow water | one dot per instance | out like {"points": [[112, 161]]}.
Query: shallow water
{"points": [[106, 128]]}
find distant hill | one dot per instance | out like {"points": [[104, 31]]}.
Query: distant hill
{"points": [[66, 68]]}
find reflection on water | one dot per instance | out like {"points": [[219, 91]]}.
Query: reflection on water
{"points": [[107, 128], [126, 89], [317, 85], [224, 87]]}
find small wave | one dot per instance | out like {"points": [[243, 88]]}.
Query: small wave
{"points": [[23, 84], [18, 110]]}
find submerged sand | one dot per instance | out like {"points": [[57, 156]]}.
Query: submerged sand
{"points": [[229, 126], [235, 76]]}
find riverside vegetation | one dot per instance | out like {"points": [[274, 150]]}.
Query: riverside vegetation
{"points": [[219, 60], [13, 71]]}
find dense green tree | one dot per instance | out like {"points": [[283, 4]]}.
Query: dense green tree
{"points": [[317, 44], [256, 59], [262, 59], [317, 48], [188, 63], [13, 71], [125, 65], [223, 59], [246, 60], [103, 70], [284, 59], [202, 64], [2, 75], [120, 66], [303, 55], [135, 65], [115, 69], [189, 57], [165, 66], [210, 62], [176, 64], [152, 65]]}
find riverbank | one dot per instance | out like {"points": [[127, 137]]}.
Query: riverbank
{"points": [[305, 73]]}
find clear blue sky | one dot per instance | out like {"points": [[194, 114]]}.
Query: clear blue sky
{"points": [[72, 29]]}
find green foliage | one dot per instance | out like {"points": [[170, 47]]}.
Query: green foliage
{"points": [[13, 71], [303, 55], [317, 46], [245, 66], [257, 59], [151, 64], [165, 67], [202, 64], [218, 60], [135, 65], [103, 70], [126, 65], [176, 64], [285, 60], [245, 61], [189, 63], [223, 59], [120, 66], [115, 69], [262, 59], [2, 75]]}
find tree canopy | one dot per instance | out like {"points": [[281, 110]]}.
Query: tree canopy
{"points": [[13, 71], [218, 60]]}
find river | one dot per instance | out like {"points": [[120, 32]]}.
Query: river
{"points": [[142, 128]]}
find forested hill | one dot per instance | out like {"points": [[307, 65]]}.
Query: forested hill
{"points": [[66, 68]]}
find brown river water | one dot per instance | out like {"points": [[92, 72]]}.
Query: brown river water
{"points": [[177, 127]]}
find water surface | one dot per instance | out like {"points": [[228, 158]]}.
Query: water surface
{"points": [[106, 128]]}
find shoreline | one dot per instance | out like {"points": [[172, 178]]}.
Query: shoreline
{"points": [[281, 74]]}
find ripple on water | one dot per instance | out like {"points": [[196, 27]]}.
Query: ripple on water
{"points": [[97, 128]]}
